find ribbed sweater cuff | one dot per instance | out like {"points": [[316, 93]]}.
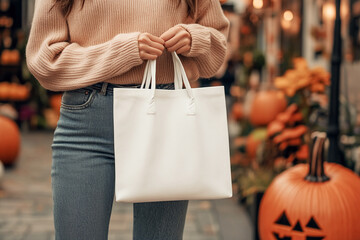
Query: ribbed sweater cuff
{"points": [[128, 50], [200, 39]]}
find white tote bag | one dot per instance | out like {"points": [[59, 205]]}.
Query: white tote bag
{"points": [[170, 144]]}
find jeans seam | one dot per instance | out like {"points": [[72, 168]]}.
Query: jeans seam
{"points": [[81, 106]]}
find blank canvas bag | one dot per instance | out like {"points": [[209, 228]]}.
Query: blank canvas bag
{"points": [[170, 144]]}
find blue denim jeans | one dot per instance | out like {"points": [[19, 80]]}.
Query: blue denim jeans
{"points": [[83, 174]]}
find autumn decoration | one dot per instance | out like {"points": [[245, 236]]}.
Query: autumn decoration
{"points": [[302, 77], [269, 151], [10, 57], [266, 106], [286, 137], [312, 201], [9, 141], [13, 92]]}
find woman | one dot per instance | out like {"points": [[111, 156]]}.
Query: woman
{"points": [[88, 47]]}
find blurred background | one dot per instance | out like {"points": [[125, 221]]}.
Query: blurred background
{"points": [[277, 79]]}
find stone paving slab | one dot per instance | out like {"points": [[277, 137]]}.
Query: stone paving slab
{"points": [[26, 203]]}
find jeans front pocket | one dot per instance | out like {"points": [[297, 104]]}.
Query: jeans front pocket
{"points": [[77, 99]]}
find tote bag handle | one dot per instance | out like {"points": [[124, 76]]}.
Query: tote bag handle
{"points": [[179, 78]]}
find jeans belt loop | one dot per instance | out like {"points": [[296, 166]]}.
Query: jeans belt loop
{"points": [[104, 88]]}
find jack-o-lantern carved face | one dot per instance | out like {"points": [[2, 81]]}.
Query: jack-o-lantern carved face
{"points": [[304, 203], [284, 230]]}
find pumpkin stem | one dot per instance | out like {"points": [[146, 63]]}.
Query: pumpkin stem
{"points": [[316, 163]]}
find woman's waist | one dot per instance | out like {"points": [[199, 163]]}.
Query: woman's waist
{"points": [[106, 88], [134, 77]]}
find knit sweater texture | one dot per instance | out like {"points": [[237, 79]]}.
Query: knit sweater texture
{"points": [[99, 43]]}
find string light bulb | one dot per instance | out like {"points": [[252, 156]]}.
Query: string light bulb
{"points": [[329, 11], [288, 16], [258, 4]]}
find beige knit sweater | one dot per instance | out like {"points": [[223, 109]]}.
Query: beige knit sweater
{"points": [[99, 42]]}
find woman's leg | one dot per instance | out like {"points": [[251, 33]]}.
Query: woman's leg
{"points": [[83, 167], [159, 220]]}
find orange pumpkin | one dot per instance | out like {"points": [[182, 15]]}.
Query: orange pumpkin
{"points": [[13, 91], [4, 90], [5, 57], [312, 201], [9, 141], [266, 106], [10, 57], [14, 57], [23, 92]]}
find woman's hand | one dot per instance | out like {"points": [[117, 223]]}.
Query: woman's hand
{"points": [[150, 46], [177, 39]]}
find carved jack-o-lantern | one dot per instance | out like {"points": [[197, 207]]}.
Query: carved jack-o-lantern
{"points": [[303, 203], [286, 229]]}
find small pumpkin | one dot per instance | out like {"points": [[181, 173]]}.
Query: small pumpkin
{"points": [[312, 201], [15, 57], [10, 57], [9, 141], [266, 106], [13, 91], [4, 90], [23, 92]]}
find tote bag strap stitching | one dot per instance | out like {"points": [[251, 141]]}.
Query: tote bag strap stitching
{"points": [[152, 107]]}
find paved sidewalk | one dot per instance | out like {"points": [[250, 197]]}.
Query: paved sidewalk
{"points": [[26, 204]]}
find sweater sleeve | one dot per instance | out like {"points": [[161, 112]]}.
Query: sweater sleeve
{"points": [[209, 40], [59, 64]]}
